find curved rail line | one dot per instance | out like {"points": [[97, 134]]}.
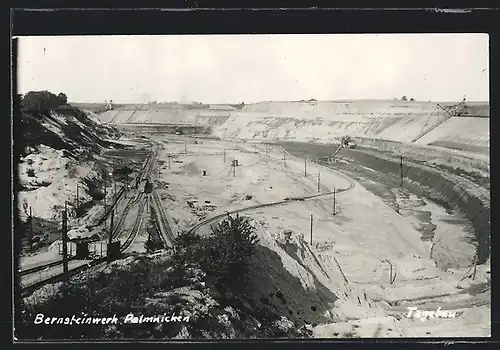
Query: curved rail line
{"points": [[287, 200], [133, 200], [39, 268], [167, 234], [29, 288], [472, 302], [136, 227]]}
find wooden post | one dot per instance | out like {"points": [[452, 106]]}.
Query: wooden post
{"points": [[475, 267], [65, 239], [305, 167], [311, 229], [401, 166], [390, 276], [224, 152], [234, 168], [30, 238], [334, 191], [319, 179], [105, 203], [111, 226], [169, 161], [77, 199]]}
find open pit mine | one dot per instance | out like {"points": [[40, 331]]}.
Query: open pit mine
{"points": [[372, 216]]}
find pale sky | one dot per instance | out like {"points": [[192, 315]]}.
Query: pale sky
{"points": [[252, 68]]}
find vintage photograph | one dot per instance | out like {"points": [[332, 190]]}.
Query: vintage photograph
{"points": [[191, 187]]}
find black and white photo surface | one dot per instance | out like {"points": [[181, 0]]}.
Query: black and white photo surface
{"points": [[252, 186]]}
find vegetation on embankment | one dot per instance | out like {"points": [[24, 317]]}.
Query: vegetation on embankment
{"points": [[203, 280]]}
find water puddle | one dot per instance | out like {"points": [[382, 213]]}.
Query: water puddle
{"points": [[450, 235]]}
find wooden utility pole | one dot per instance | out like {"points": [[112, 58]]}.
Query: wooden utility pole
{"points": [[475, 267], [77, 199], [391, 280], [401, 166], [334, 201], [30, 238], [105, 208], [111, 226], [234, 168], [305, 167], [169, 161], [65, 239], [114, 182], [311, 229], [224, 152], [319, 180]]}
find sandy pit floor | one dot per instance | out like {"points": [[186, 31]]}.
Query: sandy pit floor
{"points": [[359, 243]]}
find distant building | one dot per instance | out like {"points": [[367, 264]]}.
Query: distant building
{"points": [[222, 108]]}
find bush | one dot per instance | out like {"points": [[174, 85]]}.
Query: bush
{"points": [[224, 256], [122, 174]]}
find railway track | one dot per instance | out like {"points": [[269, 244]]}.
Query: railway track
{"points": [[284, 201], [133, 200], [167, 235], [137, 224], [82, 265], [39, 268]]}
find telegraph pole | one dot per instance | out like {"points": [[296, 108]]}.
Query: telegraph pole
{"points": [[234, 168], [111, 226], [30, 240], [319, 179], [305, 167], [65, 239], [105, 205], [401, 166], [224, 152], [114, 183], [169, 161], [334, 200], [311, 229], [475, 267], [77, 199]]}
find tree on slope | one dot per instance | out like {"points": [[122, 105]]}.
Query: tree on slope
{"points": [[62, 99], [42, 100]]}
